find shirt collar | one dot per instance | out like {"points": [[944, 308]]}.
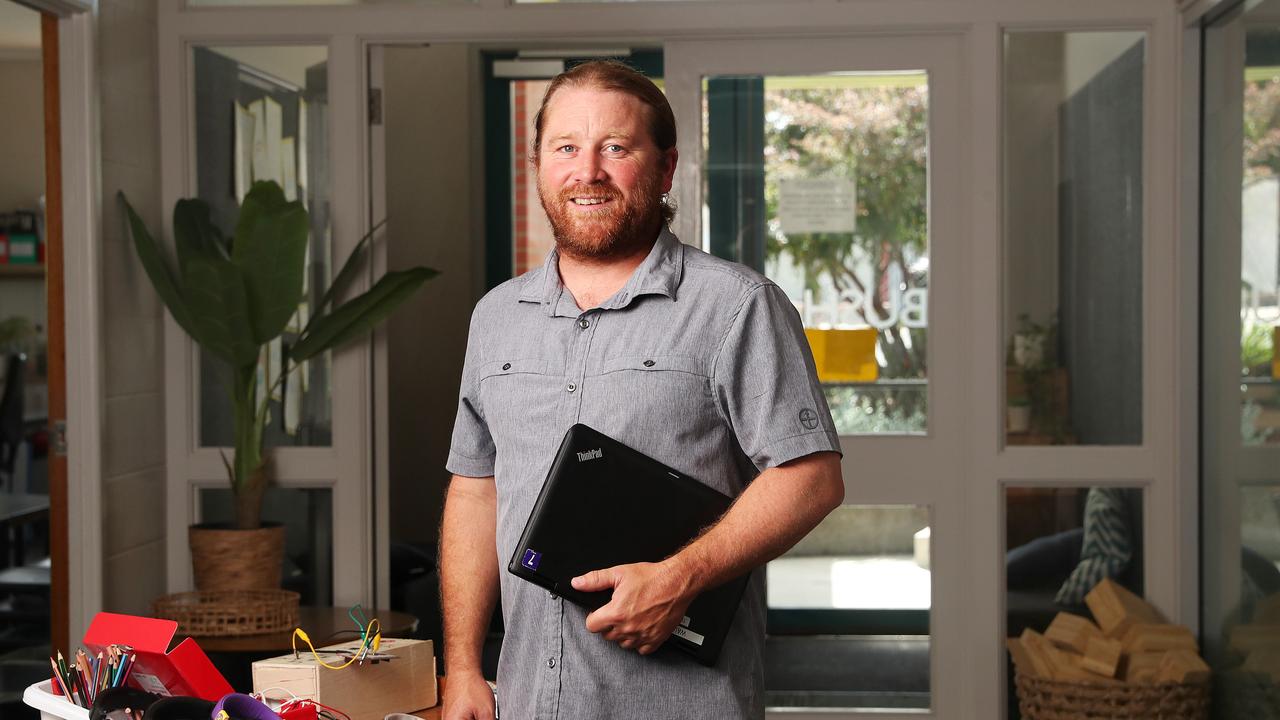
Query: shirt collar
{"points": [[658, 274]]}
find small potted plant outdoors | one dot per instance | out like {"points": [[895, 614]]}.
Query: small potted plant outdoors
{"points": [[1018, 414], [235, 295], [1031, 343]]}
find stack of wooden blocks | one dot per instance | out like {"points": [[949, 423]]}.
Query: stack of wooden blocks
{"points": [[1258, 643], [1129, 643]]}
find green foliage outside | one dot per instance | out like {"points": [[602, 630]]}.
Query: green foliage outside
{"points": [[877, 136]]}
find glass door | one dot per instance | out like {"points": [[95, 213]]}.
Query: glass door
{"points": [[830, 167], [1240, 314]]}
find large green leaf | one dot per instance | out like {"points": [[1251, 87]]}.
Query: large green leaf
{"points": [[360, 314], [153, 262], [194, 233], [349, 268], [264, 196], [270, 249], [345, 277], [220, 309]]}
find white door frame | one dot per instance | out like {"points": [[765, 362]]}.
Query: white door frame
{"points": [[82, 273], [924, 470], [969, 673], [344, 467], [82, 244]]}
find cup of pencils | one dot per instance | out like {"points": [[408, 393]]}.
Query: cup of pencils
{"points": [[81, 680]]}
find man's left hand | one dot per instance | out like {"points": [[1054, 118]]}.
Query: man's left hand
{"points": [[648, 601]]}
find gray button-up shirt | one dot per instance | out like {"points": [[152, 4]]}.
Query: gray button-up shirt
{"points": [[697, 362]]}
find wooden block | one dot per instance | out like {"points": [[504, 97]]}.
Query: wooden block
{"points": [[1265, 661], [1071, 631], [1143, 637], [404, 684], [1267, 610], [1115, 608], [1102, 656], [1142, 667], [1182, 666], [1054, 663], [1251, 638], [1022, 659], [1036, 649]]}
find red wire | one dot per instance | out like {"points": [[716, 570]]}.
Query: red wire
{"points": [[326, 707]]}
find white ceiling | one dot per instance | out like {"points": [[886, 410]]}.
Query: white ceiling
{"points": [[19, 27]]}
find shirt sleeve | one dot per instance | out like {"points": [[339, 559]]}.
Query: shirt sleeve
{"points": [[766, 383], [471, 452]]}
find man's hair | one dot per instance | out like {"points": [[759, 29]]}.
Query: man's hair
{"points": [[616, 76]]}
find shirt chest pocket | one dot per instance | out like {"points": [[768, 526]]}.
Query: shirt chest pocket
{"points": [[653, 388], [515, 393]]}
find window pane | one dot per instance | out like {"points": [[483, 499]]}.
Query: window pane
{"points": [[277, 3], [1260, 242], [532, 238], [1062, 541], [518, 2], [1073, 184], [849, 612], [261, 113], [821, 182], [307, 516]]}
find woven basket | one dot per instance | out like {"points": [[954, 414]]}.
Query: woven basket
{"points": [[224, 613], [1040, 699]]}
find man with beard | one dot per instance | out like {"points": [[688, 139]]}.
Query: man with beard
{"points": [[695, 361]]}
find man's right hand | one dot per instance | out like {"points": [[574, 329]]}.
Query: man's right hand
{"points": [[467, 697]]}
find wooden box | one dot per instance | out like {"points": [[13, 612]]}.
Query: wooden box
{"points": [[365, 692]]}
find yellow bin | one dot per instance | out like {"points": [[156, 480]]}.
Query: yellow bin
{"points": [[844, 355]]}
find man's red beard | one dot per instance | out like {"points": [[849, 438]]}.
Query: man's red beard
{"points": [[616, 229]]}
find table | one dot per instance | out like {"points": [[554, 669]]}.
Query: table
{"points": [[322, 624], [16, 510], [234, 656]]}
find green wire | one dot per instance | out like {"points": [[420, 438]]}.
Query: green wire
{"points": [[363, 627]]}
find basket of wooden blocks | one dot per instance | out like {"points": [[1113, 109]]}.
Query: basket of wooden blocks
{"points": [[1130, 663]]}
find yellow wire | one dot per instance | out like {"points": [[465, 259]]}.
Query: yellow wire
{"points": [[372, 639]]}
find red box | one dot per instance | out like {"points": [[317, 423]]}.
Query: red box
{"points": [[185, 670]]}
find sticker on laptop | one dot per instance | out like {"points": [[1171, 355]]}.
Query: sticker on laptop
{"points": [[687, 634], [531, 559]]}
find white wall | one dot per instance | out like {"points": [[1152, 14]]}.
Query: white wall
{"points": [[21, 142], [22, 167], [133, 427], [1033, 94], [427, 112]]}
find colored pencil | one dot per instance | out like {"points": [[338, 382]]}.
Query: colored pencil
{"points": [[57, 680], [128, 668]]}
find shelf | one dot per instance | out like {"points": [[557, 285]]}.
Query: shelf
{"points": [[26, 271]]}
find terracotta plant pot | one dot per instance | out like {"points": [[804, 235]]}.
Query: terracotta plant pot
{"points": [[228, 559]]}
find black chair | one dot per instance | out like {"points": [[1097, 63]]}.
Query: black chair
{"points": [[11, 429]]}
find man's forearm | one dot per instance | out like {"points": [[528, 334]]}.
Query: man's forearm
{"points": [[776, 510], [468, 569]]}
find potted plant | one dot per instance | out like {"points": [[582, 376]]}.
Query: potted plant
{"points": [[234, 296], [1018, 414]]}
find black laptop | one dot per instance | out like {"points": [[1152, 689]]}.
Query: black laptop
{"points": [[605, 504]]}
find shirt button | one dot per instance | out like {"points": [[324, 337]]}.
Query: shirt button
{"points": [[572, 387], [584, 323], [648, 363], [506, 366], [551, 662]]}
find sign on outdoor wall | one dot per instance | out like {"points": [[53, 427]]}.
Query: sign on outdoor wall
{"points": [[817, 205]]}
